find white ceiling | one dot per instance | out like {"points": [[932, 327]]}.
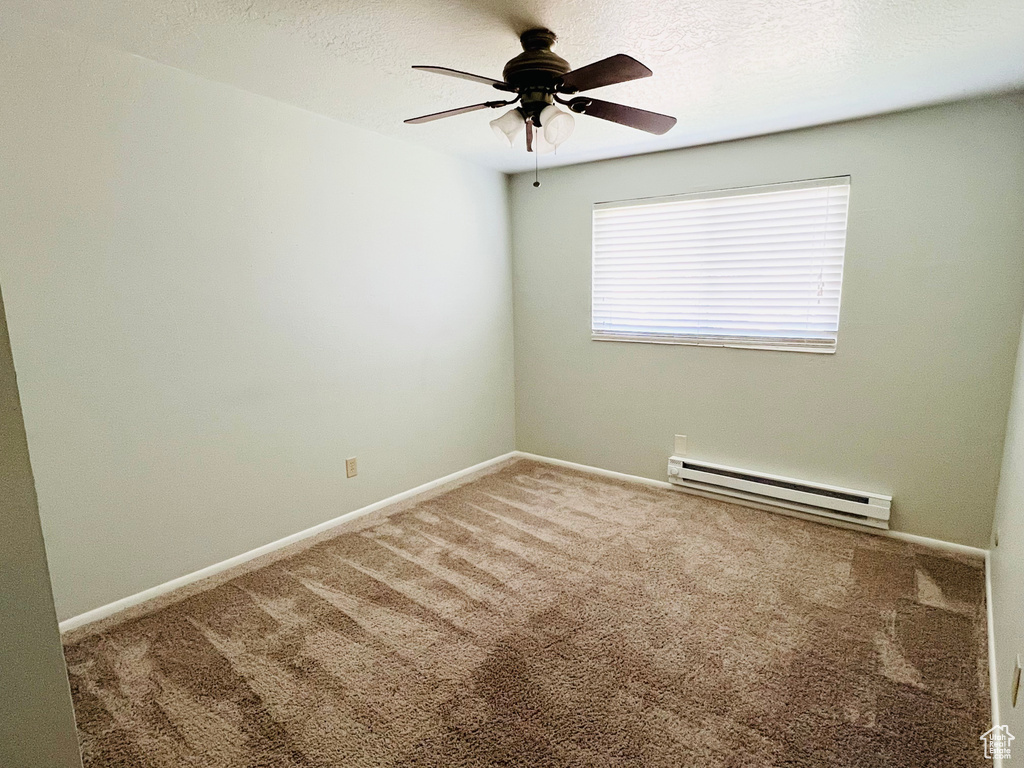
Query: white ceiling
{"points": [[725, 68]]}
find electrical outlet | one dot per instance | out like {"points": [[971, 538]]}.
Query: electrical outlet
{"points": [[680, 449], [1015, 688], [350, 467]]}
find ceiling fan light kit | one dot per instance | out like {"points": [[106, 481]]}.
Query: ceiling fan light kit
{"points": [[540, 78]]}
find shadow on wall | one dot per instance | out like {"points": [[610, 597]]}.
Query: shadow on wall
{"points": [[37, 723]]}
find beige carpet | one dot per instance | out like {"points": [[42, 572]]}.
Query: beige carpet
{"points": [[542, 617]]}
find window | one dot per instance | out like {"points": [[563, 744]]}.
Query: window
{"points": [[758, 267]]}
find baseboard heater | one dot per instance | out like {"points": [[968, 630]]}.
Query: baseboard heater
{"points": [[782, 492]]}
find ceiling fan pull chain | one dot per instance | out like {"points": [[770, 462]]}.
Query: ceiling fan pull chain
{"points": [[536, 163]]}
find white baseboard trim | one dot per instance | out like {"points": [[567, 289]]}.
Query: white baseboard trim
{"points": [[190, 578], [924, 541], [596, 470], [993, 678]]}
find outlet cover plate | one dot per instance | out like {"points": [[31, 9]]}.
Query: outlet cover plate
{"points": [[350, 467]]}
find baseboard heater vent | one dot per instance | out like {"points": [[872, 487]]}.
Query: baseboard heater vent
{"points": [[782, 492]]}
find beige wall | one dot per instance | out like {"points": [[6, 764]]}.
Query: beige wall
{"points": [[37, 723], [914, 401], [214, 299], [1007, 559]]}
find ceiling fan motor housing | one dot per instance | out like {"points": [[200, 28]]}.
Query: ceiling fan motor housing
{"points": [[537, 67], [536, 72]]}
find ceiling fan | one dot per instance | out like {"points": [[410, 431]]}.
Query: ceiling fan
{"points": [[539, 78]]}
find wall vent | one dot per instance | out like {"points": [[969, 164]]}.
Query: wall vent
{"points": [[783, 492]]}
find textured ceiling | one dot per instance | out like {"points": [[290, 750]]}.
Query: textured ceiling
{"points": [[725, 68]]}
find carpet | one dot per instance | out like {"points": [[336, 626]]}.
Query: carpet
{"points": [[543, 617]]}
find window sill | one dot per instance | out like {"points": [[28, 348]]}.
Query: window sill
{"points": [[815, 346]]}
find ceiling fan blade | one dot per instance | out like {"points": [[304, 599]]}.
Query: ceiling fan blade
{"points": [[615, 69], [467, 76], [453, 112], [641, 119]]}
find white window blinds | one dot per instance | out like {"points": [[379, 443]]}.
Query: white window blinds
{"points": [[755, 267]]}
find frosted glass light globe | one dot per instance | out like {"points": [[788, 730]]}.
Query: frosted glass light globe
{"points": [[556, 124], [509, 126]]}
